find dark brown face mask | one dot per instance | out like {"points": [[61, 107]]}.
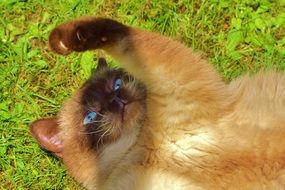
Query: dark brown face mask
{"points": [[100, 95]]}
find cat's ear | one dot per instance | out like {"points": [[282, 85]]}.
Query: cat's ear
{"points": [[45, 131], [102, 63]]}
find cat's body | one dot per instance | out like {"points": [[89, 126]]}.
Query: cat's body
{"points": [[199, 133]]}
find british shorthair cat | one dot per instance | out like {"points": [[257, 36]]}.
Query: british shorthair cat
{"points": [[197, 131]]}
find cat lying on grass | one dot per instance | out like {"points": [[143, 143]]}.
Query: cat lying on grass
{"points": [[194, 131]]}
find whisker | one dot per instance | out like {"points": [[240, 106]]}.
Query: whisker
{"points": [[101, 138], [100, 114], [96, 121], [105, 124], [99, 130], [110, 131], [104, 119], [92, 132]]}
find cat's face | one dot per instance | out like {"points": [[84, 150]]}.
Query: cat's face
{"points": [[111, 101], [107, 104]]}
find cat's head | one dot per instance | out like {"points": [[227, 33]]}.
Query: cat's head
{"points": [[108, 105]]}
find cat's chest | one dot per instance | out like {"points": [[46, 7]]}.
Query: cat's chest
{"points": [[169, 148]]}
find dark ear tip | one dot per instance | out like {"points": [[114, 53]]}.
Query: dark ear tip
{"points": [[102, 63]]}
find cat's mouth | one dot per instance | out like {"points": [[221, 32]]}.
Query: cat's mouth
{"points": [[124, 107], [122, 104]]}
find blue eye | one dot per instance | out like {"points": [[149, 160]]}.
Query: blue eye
{"points": [[117, 84], [89, 118]]}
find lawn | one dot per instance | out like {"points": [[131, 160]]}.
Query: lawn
{"points": [[236, 36]]}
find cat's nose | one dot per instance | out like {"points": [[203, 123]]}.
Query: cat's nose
{"points": [[116, 104]]}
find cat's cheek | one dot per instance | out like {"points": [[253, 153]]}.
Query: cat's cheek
{"points": [[133, 113]]}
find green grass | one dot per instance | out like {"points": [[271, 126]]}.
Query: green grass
{"points": [[236, 36]]}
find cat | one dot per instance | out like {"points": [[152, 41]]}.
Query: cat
{"points": [[200, 133], [106, 112]]}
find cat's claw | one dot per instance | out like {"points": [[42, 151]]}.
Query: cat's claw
{"points": [[86, 34], [61, 44]]}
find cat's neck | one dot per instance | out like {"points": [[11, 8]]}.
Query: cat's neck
{"points": [[114, 153]]}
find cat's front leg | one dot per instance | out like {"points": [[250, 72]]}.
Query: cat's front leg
{"points": [[130, 47], [155, 59], [173, 74]]}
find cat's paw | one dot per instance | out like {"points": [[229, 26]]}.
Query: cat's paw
{"points": [[85, 34]]}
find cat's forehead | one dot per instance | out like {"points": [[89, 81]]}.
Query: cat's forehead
{"points": [[104, 80], [106, 74]]}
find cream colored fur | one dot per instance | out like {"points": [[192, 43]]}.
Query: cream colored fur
{"points": [[200, 132]]}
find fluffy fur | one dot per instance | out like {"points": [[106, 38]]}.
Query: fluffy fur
{"points": [[200, 132]]}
